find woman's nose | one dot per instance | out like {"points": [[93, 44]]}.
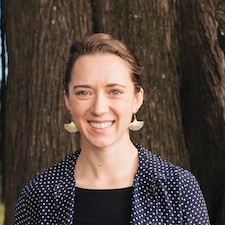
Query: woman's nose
{"points": [[100, 105]]}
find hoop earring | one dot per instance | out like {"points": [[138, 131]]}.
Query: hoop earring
{"points": [[136, 125], [71, 127]]}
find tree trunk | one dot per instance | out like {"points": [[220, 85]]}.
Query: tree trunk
{"points": [[149, 28], [177, 45], [203, 100], [39, 35]]}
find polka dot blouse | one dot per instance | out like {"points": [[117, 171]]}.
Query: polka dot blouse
{"points": [[163, 194]]}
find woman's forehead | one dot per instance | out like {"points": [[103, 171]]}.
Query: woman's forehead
{"points": [[102, 67]]}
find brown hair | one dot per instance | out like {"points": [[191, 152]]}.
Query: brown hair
{"points": [[104, 43]]}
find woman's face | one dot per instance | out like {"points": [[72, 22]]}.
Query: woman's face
{"points": [[102, 99]]}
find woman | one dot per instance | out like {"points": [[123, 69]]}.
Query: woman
{"points": [[110, 180]]}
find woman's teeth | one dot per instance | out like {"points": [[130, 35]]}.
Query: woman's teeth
{"points": [[101, 125]]}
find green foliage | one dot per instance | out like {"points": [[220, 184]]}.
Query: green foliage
{"points": [[2, 212]]}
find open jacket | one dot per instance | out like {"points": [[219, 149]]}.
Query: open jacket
{"points": [[163, 194]]}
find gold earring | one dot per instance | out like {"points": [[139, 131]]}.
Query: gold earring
{"points": [[71, 127], [136, 125]]}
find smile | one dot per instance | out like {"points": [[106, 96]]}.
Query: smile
{"points": [[101, 125]]}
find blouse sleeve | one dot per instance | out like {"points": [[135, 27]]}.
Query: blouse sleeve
{"points": [[192, 201], [25, 212]]}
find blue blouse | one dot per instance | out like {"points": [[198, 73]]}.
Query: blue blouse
{"points": [[163, 194]]}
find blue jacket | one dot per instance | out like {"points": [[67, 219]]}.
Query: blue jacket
{"points": [[163, 194]]}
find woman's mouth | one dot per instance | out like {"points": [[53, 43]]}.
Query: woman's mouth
{"points": [[100, 125]]}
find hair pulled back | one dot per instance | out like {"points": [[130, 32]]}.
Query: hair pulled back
{"points": [[104, 43]]}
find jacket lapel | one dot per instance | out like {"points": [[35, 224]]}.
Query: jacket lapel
{"points": [[64, 202], [64, 193], [145, 202]]}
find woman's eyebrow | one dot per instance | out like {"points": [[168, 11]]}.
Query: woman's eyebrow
{"points": [[115, 84], [81, 86], [108, 85]]}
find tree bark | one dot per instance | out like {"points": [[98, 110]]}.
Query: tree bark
{"points": [[39, 35], [203, 100], [150, 29]]}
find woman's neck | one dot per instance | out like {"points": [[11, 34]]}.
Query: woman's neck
{"points": [[107, 168]]}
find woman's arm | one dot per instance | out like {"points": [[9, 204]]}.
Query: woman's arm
{"points": [[192, 201], [26, 207]]}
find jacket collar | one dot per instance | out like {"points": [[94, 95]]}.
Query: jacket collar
{"points": [[147, 178], [144, 196], [64, 191]]}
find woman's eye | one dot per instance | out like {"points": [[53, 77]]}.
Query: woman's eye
{"points": [[83, 93], [115, 92]]}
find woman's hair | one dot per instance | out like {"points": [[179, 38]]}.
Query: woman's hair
{"points": [[104, 43]]}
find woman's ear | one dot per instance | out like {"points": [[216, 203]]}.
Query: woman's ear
{"points": [[138, 101], [67, 101]]}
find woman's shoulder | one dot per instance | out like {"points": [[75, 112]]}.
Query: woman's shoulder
{"points": [[160, 168], [180, 187], [61, 172], [171, 176], [46, 191]]}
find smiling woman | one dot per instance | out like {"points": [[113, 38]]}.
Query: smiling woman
{"points": [[99, 92], [109, 180]]}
